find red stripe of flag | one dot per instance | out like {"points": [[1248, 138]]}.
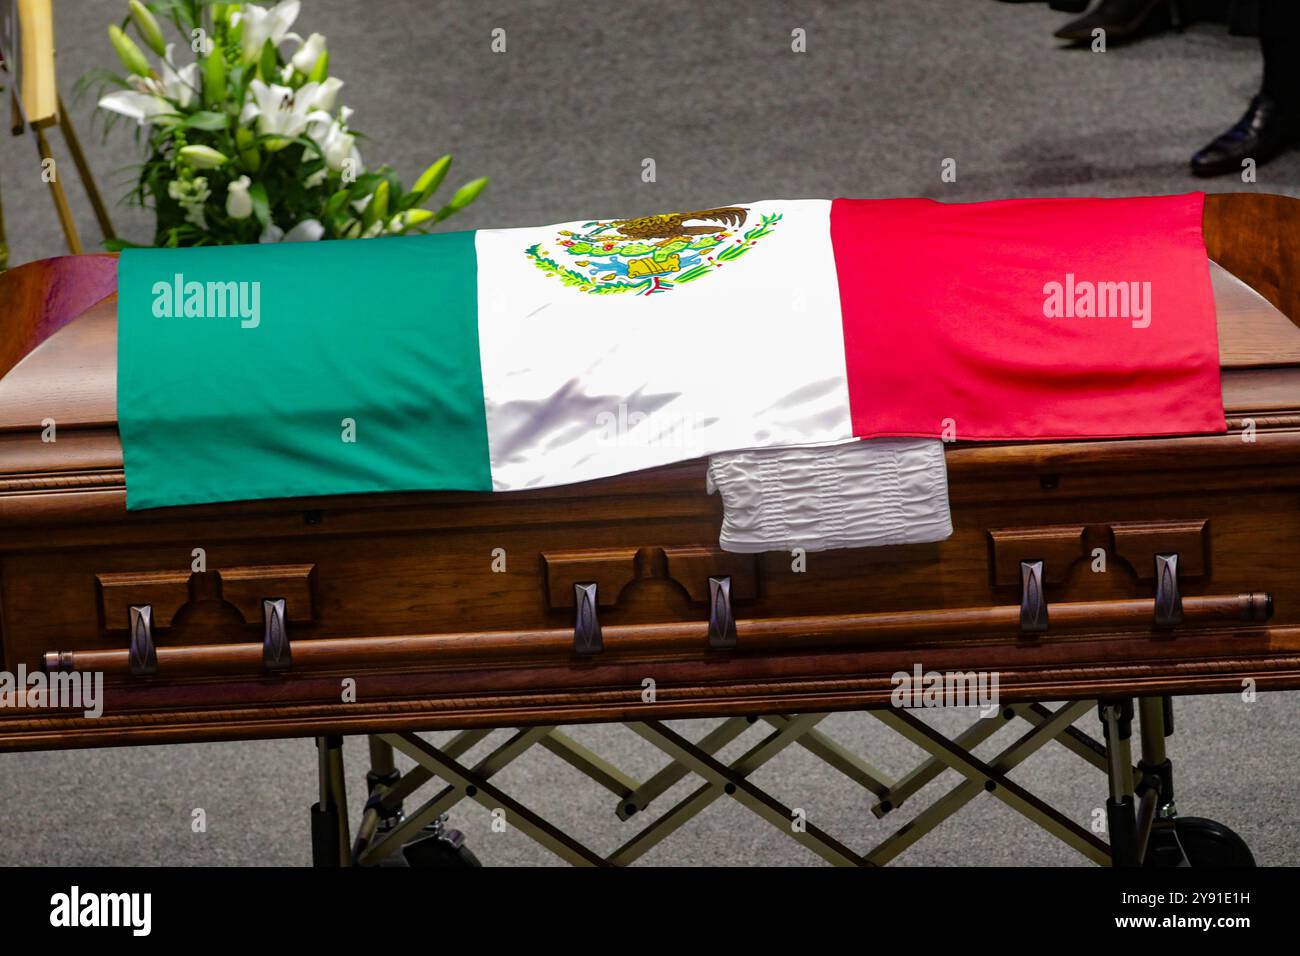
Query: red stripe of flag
{"points": [[944, 318]]}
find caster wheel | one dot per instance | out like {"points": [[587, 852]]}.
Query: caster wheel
{"points": [[1196, 841], [444, 848]]}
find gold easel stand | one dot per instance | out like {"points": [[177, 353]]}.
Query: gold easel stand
{"points": [[63, 121], [37, 106]]}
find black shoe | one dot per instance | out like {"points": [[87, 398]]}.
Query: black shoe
{"points": [[1065, 6], [1121, 19], [1266, 130]]}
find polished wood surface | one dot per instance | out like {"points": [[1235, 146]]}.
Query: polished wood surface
{"points": [[407, 597], [1253, 236]]}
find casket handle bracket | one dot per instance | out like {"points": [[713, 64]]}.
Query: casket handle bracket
{"points": [[1169, 601], [722, 620], [587, 638], [1033, 602], [276, 653], [142, 653]]}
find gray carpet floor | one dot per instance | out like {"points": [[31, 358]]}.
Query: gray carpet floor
{"points": [[561, 122]]}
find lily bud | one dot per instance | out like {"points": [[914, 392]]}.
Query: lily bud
{"points": [[431, 179], [304, 60], [377, 209], [321, 69], [467, 194], [246, 142], [411, 218], [239, 204], [203, 157], [131, 56], [148, 27], [214, 78]]}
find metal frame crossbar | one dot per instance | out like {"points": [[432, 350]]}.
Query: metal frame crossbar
{"points": [[385, 828]]}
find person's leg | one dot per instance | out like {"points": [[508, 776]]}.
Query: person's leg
{"points": [[1279, 40], [1272, 122]]}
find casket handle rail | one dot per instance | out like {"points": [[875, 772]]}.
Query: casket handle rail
{"points": [[882, 630], [142, 651]]}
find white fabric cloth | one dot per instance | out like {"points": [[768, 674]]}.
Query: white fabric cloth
{"points": [[854, 494]]}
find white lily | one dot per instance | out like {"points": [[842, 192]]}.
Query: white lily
{"points": [[140, 106], [239, 205], [308, 53], [324, 94], [280, 112], [261, 24], [180, 86], [309, 230], [336, 144]]}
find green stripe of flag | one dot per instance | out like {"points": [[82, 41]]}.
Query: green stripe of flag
{"points": [[243, 391]]}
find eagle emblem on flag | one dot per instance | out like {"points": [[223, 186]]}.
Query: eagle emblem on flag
{"points": [[650, 254]]}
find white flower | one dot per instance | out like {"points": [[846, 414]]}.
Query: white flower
{"points": [[140, 106], [191, 194], [281, 112], [323, 94], [151, 97], [309, 230], [180, 86], [337, 145], [308, 53], [239, 205], [261, 25]]}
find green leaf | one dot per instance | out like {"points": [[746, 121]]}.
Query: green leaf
{"points": [[205, 119], [269, 62], [321, 69], [336, 202], [261, 208], [214, 77]]}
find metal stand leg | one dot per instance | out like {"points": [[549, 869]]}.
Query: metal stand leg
{"points": [[329, 818], [1121, 817], [383, 810], [383, 776]]}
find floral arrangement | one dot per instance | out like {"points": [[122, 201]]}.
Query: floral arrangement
{"points": [[246, 143]]}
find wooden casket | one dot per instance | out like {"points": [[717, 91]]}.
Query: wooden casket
{"points": [[423, 611]]}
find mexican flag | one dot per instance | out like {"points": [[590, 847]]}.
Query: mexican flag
{"points": [[505, 359]]}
